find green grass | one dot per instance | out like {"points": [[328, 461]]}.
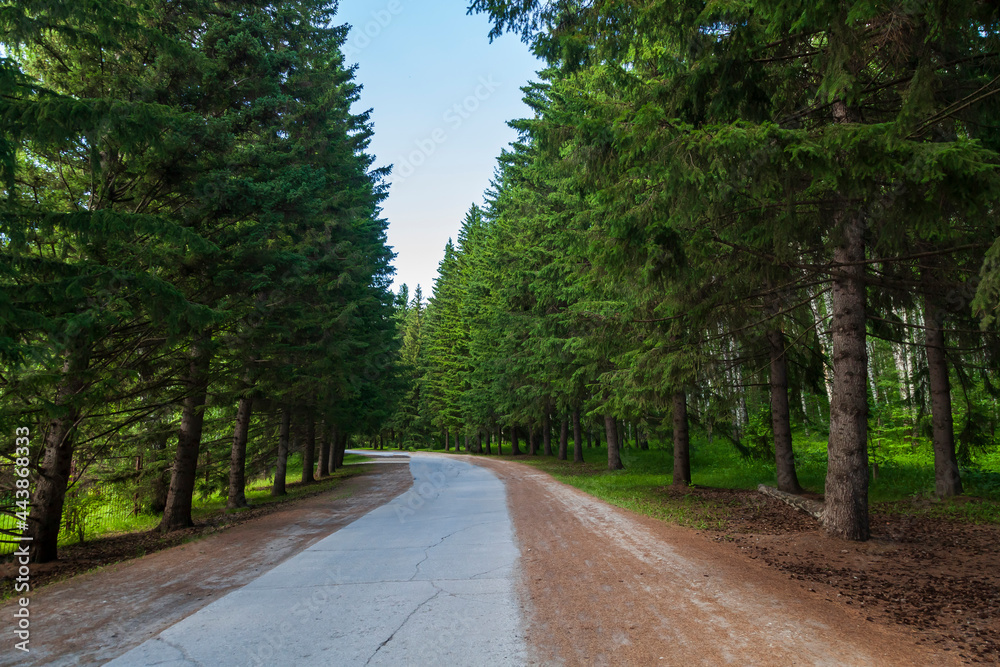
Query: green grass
{"points": [[114, 525], [904, 483], [258, 492], [904, 480]]}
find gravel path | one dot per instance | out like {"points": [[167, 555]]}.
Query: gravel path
{"points": [[605, 586]]}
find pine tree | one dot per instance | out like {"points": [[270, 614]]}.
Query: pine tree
{"points": [[84, 271], [717, 143], [190, 221]]}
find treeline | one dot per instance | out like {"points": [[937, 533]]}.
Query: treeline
{"points": [[194, 270], [738, 217]]}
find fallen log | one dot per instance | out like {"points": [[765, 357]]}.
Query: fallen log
{"points": [[813, 508]]}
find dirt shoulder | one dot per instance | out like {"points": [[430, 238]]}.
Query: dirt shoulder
{"points": [[79, 558], [605, 586], [95, 617]]}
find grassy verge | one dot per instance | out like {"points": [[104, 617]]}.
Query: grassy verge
{"points": [[258, 491], [132, 538], [258, 494], [902, 483]]}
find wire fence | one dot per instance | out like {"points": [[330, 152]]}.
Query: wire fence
{"points": [[90, 510]]}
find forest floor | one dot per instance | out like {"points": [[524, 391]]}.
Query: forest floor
{"points": [[94, 617], [921, 582], [938, 577]]}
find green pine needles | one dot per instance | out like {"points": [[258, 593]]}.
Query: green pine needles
{"points": [[193, 248], [745, 218]]}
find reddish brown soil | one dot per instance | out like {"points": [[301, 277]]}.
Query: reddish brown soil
{"points": [[97, 616], [605, 586], [79, 558], [936, 577]]}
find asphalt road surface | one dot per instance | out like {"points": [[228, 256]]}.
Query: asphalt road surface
{"points": [[427, 579]]}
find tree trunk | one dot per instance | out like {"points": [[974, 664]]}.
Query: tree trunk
{"points": [[546, 435], [532, 441], [499, 441], [161, 487], [309, 450], [324, 452], [577, 437], [824, 342], [947, 481], [610, 430], [177, 514], [238, 456], [334, 439], [49, 498], [873, 372], [456, 442], [341, 449], [682, 442], [563, 438], [846, 514], [447, 440], [811, 507], [487, 439], [515, 449], [784, 456], [281, 467]]}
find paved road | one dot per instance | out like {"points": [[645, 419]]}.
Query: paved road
{"points": [[427, 579]]}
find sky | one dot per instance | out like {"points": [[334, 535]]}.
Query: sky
{"points": [[441, 96]]}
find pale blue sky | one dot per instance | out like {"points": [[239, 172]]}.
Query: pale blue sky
{"points": [[417, 61]]}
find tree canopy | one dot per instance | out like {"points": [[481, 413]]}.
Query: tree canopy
{"points": [[192, 235], [738, 217]]}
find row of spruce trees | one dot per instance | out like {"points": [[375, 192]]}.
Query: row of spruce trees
{"points": [[722, 204], [191, 245]]}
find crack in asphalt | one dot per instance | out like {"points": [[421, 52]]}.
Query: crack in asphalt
{"points": [[405, 621], [456, 519], [416, 569], [499, 567], [434, 546], [184, 654]]}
